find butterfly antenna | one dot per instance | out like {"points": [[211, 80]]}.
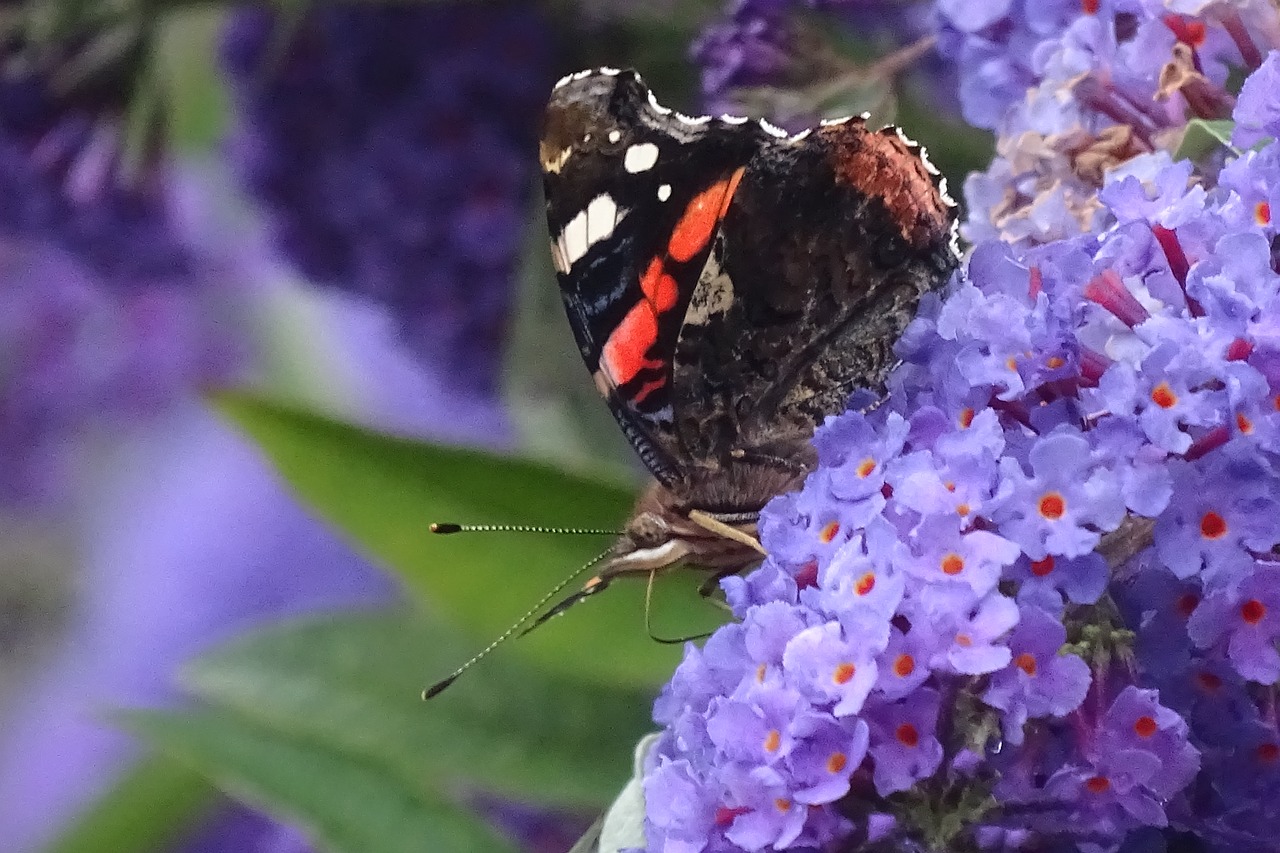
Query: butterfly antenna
{"points": [[449, 527], [439, 687]]}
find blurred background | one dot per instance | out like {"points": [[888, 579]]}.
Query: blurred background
{"points": [[336, 206]]}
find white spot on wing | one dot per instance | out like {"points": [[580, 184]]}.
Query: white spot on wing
{"points": [[832, 122], [590, 226], [574, 238], [664, 192], [801, 135], [610, 72], [615, 135], [602, 214], [906, 140], [640, 158], [728, 119], [693, 120]]}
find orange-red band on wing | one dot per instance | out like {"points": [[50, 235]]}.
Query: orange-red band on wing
{"points": [[693, 232], [625, 353]]}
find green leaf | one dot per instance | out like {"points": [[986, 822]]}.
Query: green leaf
{"points": [[383, 491], [353, 682], [1202, 136], [149, 808], [343, 803]]}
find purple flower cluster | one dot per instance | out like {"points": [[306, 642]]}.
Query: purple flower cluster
{"points": [[390, 145], [1033, 598], [1075, 87]]}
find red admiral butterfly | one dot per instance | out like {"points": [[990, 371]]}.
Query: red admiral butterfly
{"points": [[729, 286]]}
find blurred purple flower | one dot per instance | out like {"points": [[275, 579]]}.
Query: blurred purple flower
{"points": [[108, 316], [391, 148], [758, 45]]}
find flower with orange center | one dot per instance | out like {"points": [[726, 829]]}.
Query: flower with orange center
{"points": [[1052, 506], [1213, 525], [1163, 396]]}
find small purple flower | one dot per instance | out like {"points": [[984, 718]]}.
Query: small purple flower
{"points": [[1246, 615], [1062, 505], [1223, 508], [904, 741], [821, 765], [1137, 721], [945, 554], [680, 810], [1039, 681], [830, 669], [1044, 583]]}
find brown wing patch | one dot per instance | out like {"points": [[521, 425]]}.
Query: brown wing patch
{"points": [[882, 166]]}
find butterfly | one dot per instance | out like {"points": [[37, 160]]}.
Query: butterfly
{"points": [[729, 286]]}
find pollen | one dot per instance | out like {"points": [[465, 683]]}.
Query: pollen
{"points": [[865, 584], [1053, 362], [1267, 753], [1052, 506], [1042, 568], [966, 417], [837, 762], [904, 665], [1097, 785], [963, 510], [760, 672], [829, 532], [1212, 525], [866, 467], [1012, 364], [1027, 663], [1090, 7], [1243, 424], [952, 564], [782, 804], [1262, 213], [907, 735], [964, 641], [844, 673], [1253, 611], [1162, 395], [1144, 726], [1186, 604], [772, 740]]}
